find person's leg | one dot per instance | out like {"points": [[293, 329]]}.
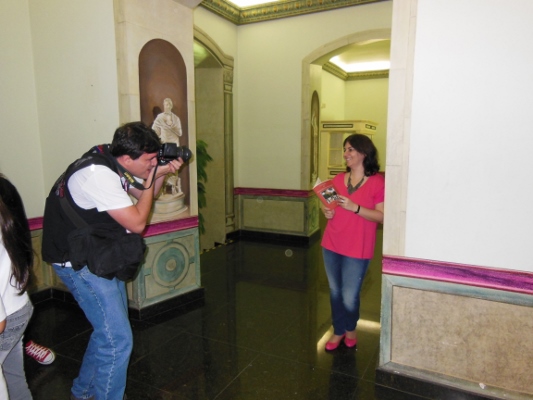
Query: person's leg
{"points": [[105, 304], [12, 353], [333, 265], [353, 274]]}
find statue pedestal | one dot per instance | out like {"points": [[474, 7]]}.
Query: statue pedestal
{"points": [[169, 277], [168, 207]]}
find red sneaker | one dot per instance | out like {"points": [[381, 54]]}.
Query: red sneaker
{"points": [[41, 354]]}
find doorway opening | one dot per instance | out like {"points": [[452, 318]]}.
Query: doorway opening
{"points": [[345, 99], [214, 126]]}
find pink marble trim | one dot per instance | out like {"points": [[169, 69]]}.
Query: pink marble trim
{"points": [[170, 226], [152, 230], [273, 192], [508, 280], [35, 223]]}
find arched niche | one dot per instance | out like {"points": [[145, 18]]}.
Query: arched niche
{"points": [[162, 75]]}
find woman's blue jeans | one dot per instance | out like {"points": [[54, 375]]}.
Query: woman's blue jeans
{"points": [[345, 276], [105, 304], [11, 356]]}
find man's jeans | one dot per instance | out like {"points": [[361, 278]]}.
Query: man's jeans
{"points": [[105, 363], [345, 277]]}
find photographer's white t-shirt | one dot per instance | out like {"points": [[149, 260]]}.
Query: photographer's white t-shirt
{"points": [[100, 187]]}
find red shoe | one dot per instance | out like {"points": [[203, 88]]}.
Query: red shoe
{"points": [[350, 342], [333, 345], [43, 355]]}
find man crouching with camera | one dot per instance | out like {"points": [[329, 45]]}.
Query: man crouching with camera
{"points": [[95, 188]]}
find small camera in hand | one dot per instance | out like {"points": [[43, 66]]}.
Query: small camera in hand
{"points": [[171, 151]]}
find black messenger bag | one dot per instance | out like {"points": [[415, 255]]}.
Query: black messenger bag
{"points": [[107, 250]]}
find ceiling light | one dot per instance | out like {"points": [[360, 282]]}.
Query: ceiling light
{"points": [[360, 66]]}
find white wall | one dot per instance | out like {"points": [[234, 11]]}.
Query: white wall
{"points": [[20, 157], [469, 190], [269, 69], [76, 75]]}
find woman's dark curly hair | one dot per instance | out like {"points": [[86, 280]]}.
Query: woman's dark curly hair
{"points": [[362, 144], [134, 139], [16, 234]]}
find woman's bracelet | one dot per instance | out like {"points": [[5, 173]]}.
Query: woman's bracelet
{"points": [[358, 209]]}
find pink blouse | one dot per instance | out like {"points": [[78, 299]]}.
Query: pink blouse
{"points": [[350, 234]]}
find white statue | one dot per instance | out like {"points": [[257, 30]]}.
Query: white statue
{"points": [[167, 125]]}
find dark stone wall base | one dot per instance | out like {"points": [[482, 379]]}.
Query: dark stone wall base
{"points": [[179, 304], [417, 387], [274, 238]]}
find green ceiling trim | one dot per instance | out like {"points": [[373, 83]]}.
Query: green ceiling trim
{"points": [[280, 9], [359, 76], [335, 71], [354, 76]]}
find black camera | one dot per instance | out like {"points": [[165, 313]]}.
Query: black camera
{"points": [[171, 151]]}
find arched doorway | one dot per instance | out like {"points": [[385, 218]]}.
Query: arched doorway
{"points": [[312, 68], [214, 126]]}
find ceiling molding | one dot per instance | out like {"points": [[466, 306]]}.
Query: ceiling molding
{"points": [[276, 10], [354, 76], [359, 76], [335, 71]]}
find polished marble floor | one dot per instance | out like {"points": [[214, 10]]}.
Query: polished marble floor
{"points": [[259, 334]]}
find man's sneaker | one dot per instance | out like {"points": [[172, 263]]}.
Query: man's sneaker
{"points": [[41, 354]]}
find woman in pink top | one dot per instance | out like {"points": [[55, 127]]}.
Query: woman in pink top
{"points": [[350, 235]]}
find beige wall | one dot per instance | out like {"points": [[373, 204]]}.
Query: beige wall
{"points": [[20, 155], [358, 99], [58, 88], [210, 129], [268, 87], [367, 99], [60, 92], [333, 98], [76, 78]]}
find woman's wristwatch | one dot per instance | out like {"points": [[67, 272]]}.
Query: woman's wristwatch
{"points": [[358, 209]]}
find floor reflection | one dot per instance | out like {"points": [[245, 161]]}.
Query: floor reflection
{"points": [[259, 335]]}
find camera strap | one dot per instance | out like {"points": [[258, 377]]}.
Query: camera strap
{"points": [[104, 149], [130, 178]]}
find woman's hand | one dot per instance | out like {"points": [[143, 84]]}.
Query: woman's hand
{"points": [[373, 215], [328, 213], [347, 204]]}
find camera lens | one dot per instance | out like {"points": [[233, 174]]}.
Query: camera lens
{"points": [[185, 153], [171, 151]]}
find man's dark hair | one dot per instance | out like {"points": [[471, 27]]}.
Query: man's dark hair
{"points": [[134, 139], [362, 144]]}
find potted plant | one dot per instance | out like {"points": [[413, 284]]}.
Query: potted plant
{"points": [[202, 159]]}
